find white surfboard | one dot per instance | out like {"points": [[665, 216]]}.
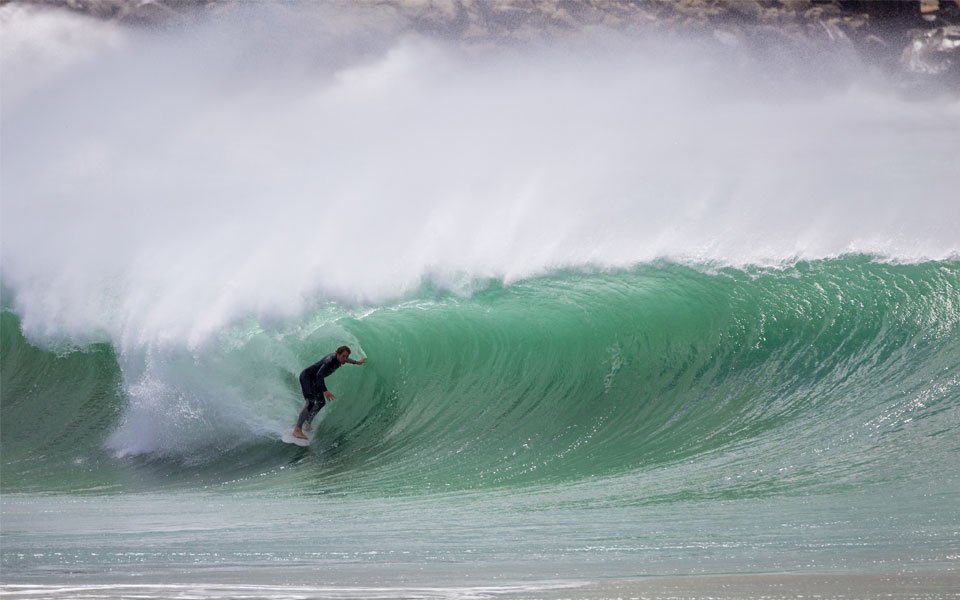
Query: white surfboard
{"points": [[288, 438]]}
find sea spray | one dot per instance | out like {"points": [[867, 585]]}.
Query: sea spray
{"points": [[185, 187]]}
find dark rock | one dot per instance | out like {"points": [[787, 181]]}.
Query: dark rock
{"points": [[933, 52], [910, 36]]}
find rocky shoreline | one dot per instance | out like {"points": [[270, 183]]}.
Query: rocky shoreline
{"points": [[919, 39]]}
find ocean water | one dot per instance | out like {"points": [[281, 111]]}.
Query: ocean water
{"points": [[641, 320]]}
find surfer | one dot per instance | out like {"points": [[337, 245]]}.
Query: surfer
{"points": [[315, 388]]}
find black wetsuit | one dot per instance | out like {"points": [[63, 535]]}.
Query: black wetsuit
{"points": [[313, 385]]}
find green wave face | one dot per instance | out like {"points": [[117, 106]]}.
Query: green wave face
{"points": [[660, 383], [818, 375]]}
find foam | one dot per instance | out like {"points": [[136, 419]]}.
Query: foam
{"points": [[172, 183]]}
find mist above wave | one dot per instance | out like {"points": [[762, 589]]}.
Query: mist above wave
{"points": [[167, 183]]}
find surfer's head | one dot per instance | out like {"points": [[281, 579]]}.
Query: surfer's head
{"points": [[343, 353]]}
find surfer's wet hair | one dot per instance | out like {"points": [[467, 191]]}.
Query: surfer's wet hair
{"points": [[343, 349]]}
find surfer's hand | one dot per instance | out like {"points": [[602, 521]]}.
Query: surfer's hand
{"points": [[329, 396], [362, 360]]}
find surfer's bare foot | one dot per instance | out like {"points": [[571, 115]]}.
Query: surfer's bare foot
{"points": [[298, 433]]}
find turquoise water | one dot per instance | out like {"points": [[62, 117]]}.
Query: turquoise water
{"points": [[666, 420]]}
